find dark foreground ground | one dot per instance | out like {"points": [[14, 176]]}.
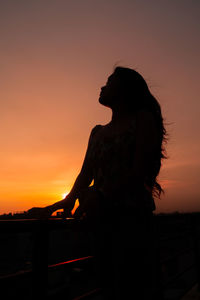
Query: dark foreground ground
{"points": [[178, 250]]}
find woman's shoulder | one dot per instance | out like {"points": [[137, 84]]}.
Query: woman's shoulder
{"points": [[96, 131]]}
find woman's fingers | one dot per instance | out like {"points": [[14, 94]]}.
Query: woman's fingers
{"points": [[39, 212]]}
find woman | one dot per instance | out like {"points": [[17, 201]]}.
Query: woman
{"points": [[124, 159]]}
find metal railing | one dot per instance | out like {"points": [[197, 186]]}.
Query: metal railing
{"points": [[40, 232], [40, 229]]}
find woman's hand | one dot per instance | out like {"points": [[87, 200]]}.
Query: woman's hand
{"points": [[40, 213], [68, 205], [44, 213]]}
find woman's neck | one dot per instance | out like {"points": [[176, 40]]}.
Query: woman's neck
{"points": [[120, 116]]}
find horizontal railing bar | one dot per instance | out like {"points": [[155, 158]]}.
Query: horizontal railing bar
{"points": [[58, 265], [14, 275], [73, 261], [25, 225], [28, 225], [88, 294]]}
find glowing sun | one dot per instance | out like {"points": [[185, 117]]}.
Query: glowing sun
{"points": [[64, 195]]}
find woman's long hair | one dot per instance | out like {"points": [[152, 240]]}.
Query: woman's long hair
{"points": [[138, 97]]}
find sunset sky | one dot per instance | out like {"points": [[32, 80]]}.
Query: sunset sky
{"points": [[55, 56]]}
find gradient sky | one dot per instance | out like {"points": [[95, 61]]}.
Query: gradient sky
{"points": [[55, 56]]}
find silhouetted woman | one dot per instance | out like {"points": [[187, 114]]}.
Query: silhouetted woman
{"points": [[124, 159]]}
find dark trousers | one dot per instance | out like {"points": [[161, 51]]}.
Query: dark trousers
{"points": [[124, 247]]}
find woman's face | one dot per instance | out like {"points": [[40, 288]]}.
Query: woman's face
{"points": [[111, 93]]}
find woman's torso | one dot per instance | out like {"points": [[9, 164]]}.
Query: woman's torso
{"points": [[112, 156]]}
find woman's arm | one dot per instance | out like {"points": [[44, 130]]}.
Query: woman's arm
{"points": [[82, 181]]}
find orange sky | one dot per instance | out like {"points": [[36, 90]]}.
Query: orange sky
{"points": [[55, 56]]}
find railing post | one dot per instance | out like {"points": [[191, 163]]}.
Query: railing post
{"points": [[158, 267], [40, 260], [196, 248]]}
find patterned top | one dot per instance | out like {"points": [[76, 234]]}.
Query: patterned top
{"points": [[110, 158]]}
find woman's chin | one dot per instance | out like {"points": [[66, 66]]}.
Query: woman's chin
{"points": [[100, 99], [103, 101]]}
